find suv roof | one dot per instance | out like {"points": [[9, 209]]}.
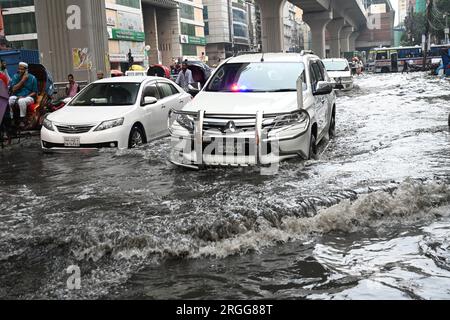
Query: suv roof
{"points": [[271, 57]]}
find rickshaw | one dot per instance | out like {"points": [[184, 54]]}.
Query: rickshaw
{"points": [[37, 110]]}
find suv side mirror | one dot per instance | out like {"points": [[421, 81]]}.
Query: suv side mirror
{"points": [[194, 88], [323, 88], [149, 101]]}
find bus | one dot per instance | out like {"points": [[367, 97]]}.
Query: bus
{"points": [[384, 60]]}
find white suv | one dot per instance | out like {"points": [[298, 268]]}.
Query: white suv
{"points": [[256, 109]]}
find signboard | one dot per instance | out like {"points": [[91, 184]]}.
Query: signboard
{"points": [[111, 18], [185, 39], [129, 21], [114, 57], [128, 35]]}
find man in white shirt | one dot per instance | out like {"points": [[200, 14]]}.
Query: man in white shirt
{"points": [[185, 77]]}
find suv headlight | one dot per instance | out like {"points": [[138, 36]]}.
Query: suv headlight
{"points": [[300, 117], [47, 124], [110, 124], [184, 120]]}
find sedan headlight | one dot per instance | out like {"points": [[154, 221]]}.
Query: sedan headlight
{"points": [[110, 124], [47, 124], [296, 118]]}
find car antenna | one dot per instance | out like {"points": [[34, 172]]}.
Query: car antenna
{"points": [[262, 58]]}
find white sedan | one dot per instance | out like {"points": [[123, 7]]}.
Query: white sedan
{"points": [[122, 112]]}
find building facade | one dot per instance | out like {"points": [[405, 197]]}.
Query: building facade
{"points": [[421, 6], [174, 30], [125, 25], [381, 32], [402, 10], [20, 23], [232, 26], [155, 31]]}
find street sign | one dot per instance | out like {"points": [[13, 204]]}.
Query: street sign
{"points": [[447, 30]]}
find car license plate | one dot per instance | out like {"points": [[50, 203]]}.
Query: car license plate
{"points": [[72, 142], [231, 147]]}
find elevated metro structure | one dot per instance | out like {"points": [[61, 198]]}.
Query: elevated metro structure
{"points": [[342, 18]]}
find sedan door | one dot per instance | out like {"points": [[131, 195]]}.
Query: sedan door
{"points": [[155, 120], [171, 98]]}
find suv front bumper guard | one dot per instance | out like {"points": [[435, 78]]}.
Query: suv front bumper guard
{"points": [[261, 135]]}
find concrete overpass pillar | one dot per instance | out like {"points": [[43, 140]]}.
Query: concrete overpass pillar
{"points": [[73, 38], [272, 25], [334, 28], [352, 40], [318, 23], [151, 36], [346, 32]]}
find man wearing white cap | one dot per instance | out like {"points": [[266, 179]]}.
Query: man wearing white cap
{"points": [[24, 89]]}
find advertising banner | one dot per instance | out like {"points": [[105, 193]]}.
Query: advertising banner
{"points": [[80, 58]]}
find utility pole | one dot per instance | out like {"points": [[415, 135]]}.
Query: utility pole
{"points": [[427, 32], [446, 29]]}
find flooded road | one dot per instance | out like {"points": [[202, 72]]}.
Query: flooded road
{"points": [[369, 220]]}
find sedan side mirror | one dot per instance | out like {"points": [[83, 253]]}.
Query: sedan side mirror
{"points": [[323, 88], [67, 100], [149, 101]]}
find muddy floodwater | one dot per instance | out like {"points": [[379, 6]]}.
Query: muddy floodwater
{"points": [[369, 220]]}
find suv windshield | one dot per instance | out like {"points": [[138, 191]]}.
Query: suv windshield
{"points": [[108, 94], [257, 77], [336, 65]]}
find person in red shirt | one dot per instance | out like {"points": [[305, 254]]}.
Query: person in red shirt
{"points": [[4, 79]]}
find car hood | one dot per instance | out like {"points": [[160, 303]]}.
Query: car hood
{"points": [[243, 103], [88, 115], [339, 74]]}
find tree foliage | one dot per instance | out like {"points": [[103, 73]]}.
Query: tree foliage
{"points": [[415, 24]]}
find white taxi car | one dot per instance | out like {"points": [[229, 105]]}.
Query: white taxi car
{"points": [[341, 72], [256, 109], [121, 112]]}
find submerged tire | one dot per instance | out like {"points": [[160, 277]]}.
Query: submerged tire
{"points": [[313, 148], [137, 137], [332, 130]]}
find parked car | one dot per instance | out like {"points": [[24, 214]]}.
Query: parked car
{"points": [[256, 109], [340, 71], [122, 113]]}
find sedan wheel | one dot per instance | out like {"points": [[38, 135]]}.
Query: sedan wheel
{"points": [[313, 148], [136, 138]]}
